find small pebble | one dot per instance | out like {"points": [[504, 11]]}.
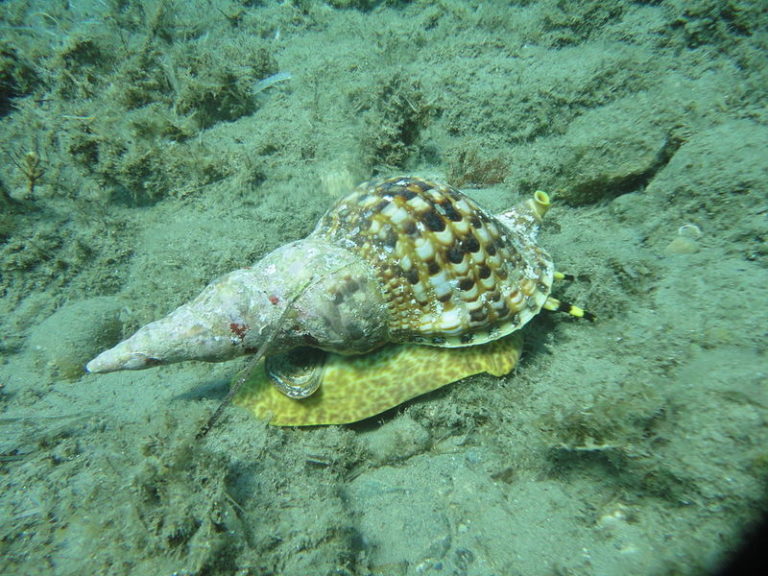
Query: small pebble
{"points": [[681, 245]]}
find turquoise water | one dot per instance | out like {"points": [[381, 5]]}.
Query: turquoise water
{"points": [[151, 146]]}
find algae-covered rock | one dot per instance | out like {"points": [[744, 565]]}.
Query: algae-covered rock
{"points": [[69, 337], [727, 160], [613, 150], [397, 440]]}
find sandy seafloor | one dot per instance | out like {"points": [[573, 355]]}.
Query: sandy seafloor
{"points": [[144, 154]]}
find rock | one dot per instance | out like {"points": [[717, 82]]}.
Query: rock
{"points": [[612, 150], [74, 334], [728, 160], [397, 440]]}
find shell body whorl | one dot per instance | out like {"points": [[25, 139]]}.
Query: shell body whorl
{"points": [[451, 274]]}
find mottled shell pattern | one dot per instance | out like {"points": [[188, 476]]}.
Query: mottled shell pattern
{"points": [[451, 274]]}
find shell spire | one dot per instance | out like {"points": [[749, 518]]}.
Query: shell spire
{"points": [[290, 298]]}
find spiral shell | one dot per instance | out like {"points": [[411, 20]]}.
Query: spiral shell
{"points": [[451, 274], [399, 260]]}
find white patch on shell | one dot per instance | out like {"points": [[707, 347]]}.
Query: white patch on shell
{"points": [[492, 262], [418, 204], [441, 283], [462, 207], [446, 237], [395, 213], [479, 257], [515, 299], [427, 322], [461, 268], [419, 293], [424, 249], [461, 227], [482, 235], [450, 320], [475, 304], [487, 283]]}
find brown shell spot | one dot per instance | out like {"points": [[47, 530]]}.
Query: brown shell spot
{"points": [[478, 315], [406, 194], [455, 255], [390, 238], [471, 244], [466, 284], [450, 211], [433, 221]]}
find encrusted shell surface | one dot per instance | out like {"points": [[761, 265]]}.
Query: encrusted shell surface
{"points": [[452, 274]]}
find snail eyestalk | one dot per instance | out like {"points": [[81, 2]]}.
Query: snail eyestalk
{"points": [[539, 204]]}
